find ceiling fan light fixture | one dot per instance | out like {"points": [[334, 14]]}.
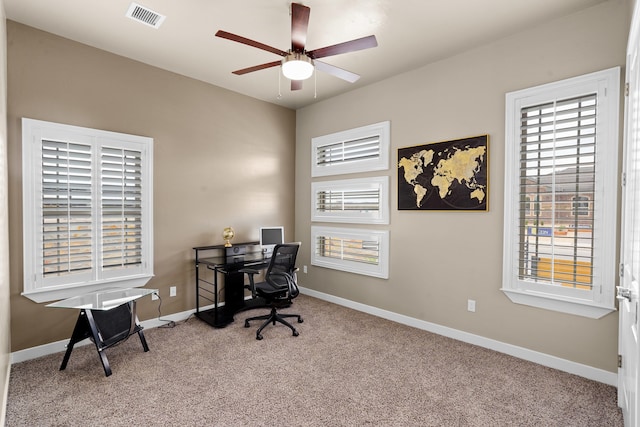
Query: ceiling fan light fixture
{"points": [[297, 66]]}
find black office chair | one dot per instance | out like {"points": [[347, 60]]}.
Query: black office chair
{"points": [[279, 287]]}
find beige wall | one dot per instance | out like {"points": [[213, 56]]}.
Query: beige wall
{"points": [[441, 259], [220, 159], [210, 143], [5, 345]]}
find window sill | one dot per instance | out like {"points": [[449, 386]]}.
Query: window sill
{"points": [[58, 293], [551, 302]]}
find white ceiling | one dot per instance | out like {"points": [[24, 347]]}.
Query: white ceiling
{"points": [[410, 34]]}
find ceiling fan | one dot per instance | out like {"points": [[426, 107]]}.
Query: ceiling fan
{"points": [[297, 63]]}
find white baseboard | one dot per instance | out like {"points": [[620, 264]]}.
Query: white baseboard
{"points": [[547, 360], [543, 359], [5, 396]]}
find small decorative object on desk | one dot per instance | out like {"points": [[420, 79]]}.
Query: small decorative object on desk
{"points": [[227, 235]]}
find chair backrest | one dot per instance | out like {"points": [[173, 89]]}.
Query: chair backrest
{"points": [[282, 267]]}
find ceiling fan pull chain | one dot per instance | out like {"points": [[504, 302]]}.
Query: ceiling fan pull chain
{"points": [[315, 85], [279, 90]]}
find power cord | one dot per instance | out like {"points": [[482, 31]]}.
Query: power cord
{"points": [[170, 323]]}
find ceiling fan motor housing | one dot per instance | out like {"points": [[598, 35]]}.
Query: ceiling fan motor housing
{"points": [[297, 66]]}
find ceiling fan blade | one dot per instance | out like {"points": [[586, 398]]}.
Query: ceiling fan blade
{"points": [[335, 71], [350, 46], [299, 25], [257, 68], [296, 84], [249, 42]]}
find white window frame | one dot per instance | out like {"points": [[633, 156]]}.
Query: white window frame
{"points": [[380, 161], [380, 270], [36, 286], [378, 184], [600, 299]]}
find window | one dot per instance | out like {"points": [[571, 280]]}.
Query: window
{"points": [[364, 200], [360, 200], [86, 210], [581, 205], [355, 150], [562, 156], [353, 250]]}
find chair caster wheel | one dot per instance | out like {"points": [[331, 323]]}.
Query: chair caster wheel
{"points": [[246, 324], [300, 320], [258, 337], [295, 333]]}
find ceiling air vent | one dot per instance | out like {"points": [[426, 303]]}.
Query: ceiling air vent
{"points": [[145, 15]]}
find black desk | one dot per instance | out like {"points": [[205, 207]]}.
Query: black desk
{"points": [[220, 260]]}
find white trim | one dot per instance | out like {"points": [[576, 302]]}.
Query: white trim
{"points": [[377, 183], [381, 269], [553, 302], [5, 395], [543, 359], [39, 288], [381, 162], [600, 300]]}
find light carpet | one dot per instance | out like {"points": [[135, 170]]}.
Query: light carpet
{"points": [[347, 368]]}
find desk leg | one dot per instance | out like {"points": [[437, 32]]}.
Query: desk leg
{"points": [[85, 328], [80, 332], [197, 284], [135, 325], [97, 340], [215, 296], [143, 341]]}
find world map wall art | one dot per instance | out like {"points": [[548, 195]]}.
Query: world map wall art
{"points": [[450, 175]]}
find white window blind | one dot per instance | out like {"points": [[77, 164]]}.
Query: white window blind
{"points": [[121, 173], [355, 150], [354, 250], [557, 149], [349, 151], [561, 174], [364, 200], [348, 200], [349, 249], [87, 210], [66, 208]]}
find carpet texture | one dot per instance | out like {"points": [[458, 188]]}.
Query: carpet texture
{"points": [[346, 368]]}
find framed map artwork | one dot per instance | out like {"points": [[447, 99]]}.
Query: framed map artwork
{"points": [[450, 175]]}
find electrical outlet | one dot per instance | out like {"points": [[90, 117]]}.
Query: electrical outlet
{"points": [[154, 296], [304, 269], [471, 305], [172, 291]]}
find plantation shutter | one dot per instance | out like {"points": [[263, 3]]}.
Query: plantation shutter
{"points": [[121, 198], [360, 200], [348, 200], [348, 249], [66, 208], [362, 149], [348, 151], [557, 192]]}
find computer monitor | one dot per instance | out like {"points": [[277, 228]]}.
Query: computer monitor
{"points": [[270, 237]]}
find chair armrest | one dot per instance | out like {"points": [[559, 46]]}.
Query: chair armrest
{"points": [[291, 283], [250, 273]]}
